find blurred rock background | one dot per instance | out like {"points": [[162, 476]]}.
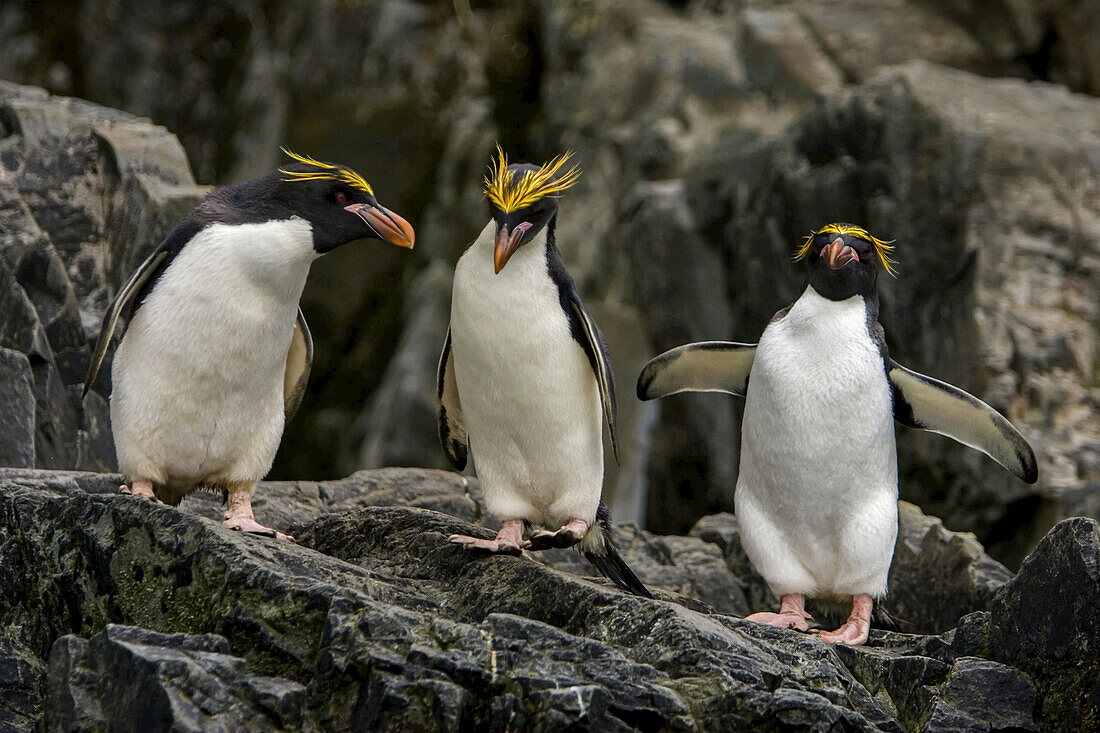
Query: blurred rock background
{"points": [[712, 134]]}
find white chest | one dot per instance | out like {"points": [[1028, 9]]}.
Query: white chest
{"points": [[512, 323], [818, 413]]}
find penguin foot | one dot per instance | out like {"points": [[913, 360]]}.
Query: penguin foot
{"points": [[249, 525], [140, 487], [495, 547], [507, 542], [239, 516], [856, 629], [567, 536], [792, 614]]}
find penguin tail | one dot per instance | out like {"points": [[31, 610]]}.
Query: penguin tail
{"points": [[599, 548]]}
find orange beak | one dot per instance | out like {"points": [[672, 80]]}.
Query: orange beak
{"points": [[507, 244], [386, 224], [837, 254]]}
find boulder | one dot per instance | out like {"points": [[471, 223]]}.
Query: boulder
{"points": [[374, 620], [1046, 621], [171, 682], [86, 193]]}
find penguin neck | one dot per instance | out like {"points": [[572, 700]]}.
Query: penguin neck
{"points": [[813, 309], [868, 299]]}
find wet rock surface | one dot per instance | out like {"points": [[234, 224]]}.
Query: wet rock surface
{"points": [[374, 620]]}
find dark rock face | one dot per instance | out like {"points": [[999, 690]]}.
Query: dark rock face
{"points": [[172, 682], [85, 194], [123, 614], [1046, 621]]}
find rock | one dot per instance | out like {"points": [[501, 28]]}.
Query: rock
{"points": [[21, 673], [679, 293], [132, 678], [723, 531], [938, 576], [922, 682], [396, 626], [17, 405], [1046, 621], [131, 614], [85, 194], [400, 427]]}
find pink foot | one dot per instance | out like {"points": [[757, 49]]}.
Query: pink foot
{"points": [[792, 614], [567, 536], [239, 516], [855, 630], [140, 487], [507, 542]]}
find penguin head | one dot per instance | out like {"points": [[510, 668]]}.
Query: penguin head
{"points": [[523, 200], [338, 203], [843, 260]]}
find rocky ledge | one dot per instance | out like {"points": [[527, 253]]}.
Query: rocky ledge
{"points": [[123, 615]]}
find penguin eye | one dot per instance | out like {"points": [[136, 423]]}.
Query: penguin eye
{"points": [[341, 197]]}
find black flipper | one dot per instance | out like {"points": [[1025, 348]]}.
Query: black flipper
{"points": [[929, 404], [452, 430], [604, 554], [707, 366]]}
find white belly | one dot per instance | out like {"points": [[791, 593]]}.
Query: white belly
{"points": [[198, 376], [528, 393], [817, 488]]}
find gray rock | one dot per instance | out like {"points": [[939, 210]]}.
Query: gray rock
{"points": [[396, 627], [136, 679], [399, 427], [21, 673], [938, 576], [86, 193], [928, 687], [1046, 621], [17, 407]]}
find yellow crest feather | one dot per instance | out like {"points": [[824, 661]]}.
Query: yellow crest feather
{"points": [[324, 172], [510, 195], [882, 249]]}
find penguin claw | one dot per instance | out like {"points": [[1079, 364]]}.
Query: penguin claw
{"points": [[140, 489], [546, 540], [782, 620], [493, 547], [856, 629], [850, 633], [255, 528], [566, 536]]}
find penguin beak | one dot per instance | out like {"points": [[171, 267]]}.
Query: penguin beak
{"points": [[507, 244], [386, 224], [837, 254]]}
